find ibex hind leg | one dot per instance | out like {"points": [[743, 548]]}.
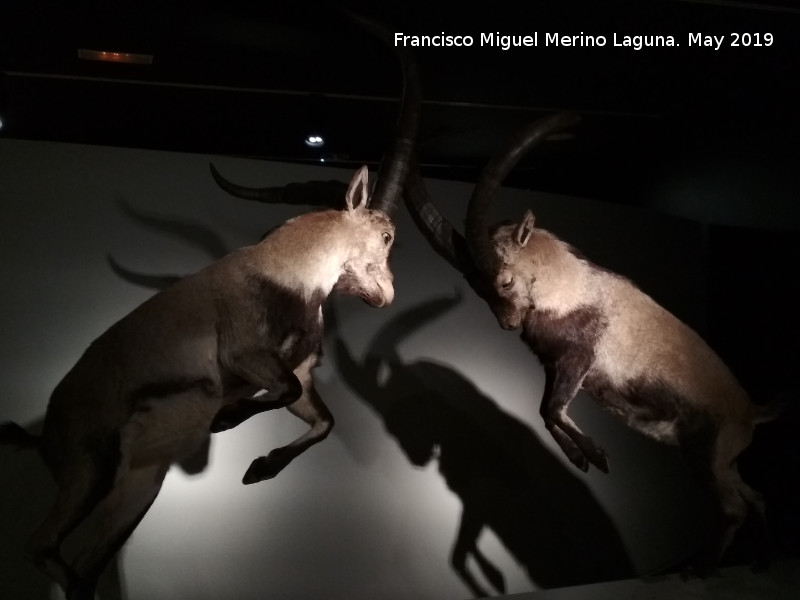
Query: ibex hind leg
{"points": [[737, 499], [712, 453], [113, 522], [166, 429], [162, 430], [755, 502], [82, 481]]}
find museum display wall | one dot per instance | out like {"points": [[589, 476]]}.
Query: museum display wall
{"points": [[437, 434]]}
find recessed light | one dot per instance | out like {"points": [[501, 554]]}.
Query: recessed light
{"points": [[314, 141]]}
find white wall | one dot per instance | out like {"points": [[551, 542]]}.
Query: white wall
{"points": [[352, 517]]}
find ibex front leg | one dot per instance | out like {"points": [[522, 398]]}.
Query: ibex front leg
{"points": [[267, 371], [292, 390], [308, 407], [562, 384]]}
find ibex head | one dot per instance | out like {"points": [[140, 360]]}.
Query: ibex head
{"points": [[367, 231], [366, 272], [493, 260], [514, 279]]}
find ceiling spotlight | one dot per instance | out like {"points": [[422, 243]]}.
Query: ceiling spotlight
{"points": [[1, 122], [314, 141]]}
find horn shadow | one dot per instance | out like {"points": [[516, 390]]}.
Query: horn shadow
{"points": [[193, 234], [196, 234], [328, 193]]}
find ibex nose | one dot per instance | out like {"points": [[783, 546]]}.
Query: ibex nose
{"points": [[388, 294], [508, 323]]}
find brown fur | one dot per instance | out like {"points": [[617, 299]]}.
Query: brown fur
{"points": [[190, 360], [593, 329]]}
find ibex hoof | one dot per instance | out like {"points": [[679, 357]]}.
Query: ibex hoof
{"points": [[594, 456], [599, 459], [579, 460], [265, 467]]}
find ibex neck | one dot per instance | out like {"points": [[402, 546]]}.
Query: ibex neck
{"points": [[305, 255]]}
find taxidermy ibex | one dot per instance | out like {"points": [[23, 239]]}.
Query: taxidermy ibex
{"points": [[595, 330], [191, 360]]}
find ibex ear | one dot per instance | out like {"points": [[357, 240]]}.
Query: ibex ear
{"points": [[524, 230], [357, 196]]}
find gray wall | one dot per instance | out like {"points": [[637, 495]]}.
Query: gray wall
{"points": [[355, 516]]}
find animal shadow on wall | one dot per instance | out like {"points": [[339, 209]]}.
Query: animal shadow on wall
{"points": [[506, 479]]}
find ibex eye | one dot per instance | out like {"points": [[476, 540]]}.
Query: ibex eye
{"points": [[387, 237], [507, 284]]}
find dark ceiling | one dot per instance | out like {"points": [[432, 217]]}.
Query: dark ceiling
{"points": [[232, 78]]}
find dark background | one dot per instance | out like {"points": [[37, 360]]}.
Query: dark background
{"points": [[668, 134], [253, 79]]}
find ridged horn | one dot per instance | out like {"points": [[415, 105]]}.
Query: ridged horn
{"points": [[492, 176], [440, 233], [394, 167]]}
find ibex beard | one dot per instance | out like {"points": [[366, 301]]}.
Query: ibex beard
{"points": [[190, 361]]}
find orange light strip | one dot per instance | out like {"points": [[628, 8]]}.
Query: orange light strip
{"points": [[119, 57]]}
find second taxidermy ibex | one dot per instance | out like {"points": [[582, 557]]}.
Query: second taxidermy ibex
{"points": [[193, 358], [595, 330]]}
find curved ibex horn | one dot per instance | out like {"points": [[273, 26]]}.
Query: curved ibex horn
{"points": [[492, 176], [440, 233], [394, 167]]}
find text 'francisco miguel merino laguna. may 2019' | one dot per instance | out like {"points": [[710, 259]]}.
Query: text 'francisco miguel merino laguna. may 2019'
{"points": [[583, 40]]}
